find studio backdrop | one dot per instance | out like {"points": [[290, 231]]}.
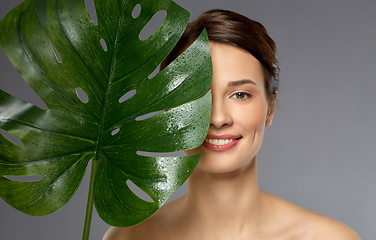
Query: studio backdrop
{"points": [[320, 151]]}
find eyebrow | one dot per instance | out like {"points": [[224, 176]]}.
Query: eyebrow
{"points": [[241, 82]]}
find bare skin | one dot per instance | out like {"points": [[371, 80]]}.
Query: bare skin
{"points": [[224, 200]]}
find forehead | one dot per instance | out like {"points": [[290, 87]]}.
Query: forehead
{"points": [[232, 63]]}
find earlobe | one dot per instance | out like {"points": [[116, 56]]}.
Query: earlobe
{"points": [[270, 115], [269, 118]]}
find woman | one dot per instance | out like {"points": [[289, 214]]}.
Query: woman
{"points": [[224, 200]]}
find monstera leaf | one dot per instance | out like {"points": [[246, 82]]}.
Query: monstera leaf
{"points": [[105, 63]]}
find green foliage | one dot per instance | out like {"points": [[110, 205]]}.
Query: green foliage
{"points": [[58, 142]]}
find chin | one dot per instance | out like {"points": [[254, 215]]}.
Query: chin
{"points": [[232, 161], [224, 165]]}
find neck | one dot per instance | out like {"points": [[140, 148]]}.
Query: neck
{"points": [[225, 202]]}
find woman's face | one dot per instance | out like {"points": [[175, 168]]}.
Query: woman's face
{"points": [[239, 111]]}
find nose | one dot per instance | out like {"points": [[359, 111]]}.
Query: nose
{"points": [[220, 114]]}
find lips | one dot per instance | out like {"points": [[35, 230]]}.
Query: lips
{"points": [[220, 142]]}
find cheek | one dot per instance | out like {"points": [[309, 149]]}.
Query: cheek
{"points": [[252, 118]]}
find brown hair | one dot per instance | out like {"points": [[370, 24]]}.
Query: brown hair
{"points": [[228, 27]]}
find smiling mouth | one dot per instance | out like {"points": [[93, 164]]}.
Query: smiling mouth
{"points": [[220, 142]]}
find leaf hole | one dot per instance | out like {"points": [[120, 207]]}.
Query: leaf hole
{"points": [[113, 133], [17, 87], [127, 96], [136, 190], [11, 138], [153, 25], [148, 115], [155, 72], [90, 6], [57, 55], [104, 45], [136, 11], [41, 104], [82, 95], [160, 154], [34, 178]]}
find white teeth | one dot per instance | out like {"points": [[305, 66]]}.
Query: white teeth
{"points": [[219, 141]]}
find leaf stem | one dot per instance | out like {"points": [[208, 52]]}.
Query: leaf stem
{"points": [[90, 201]]}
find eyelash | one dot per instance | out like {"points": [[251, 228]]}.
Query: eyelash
{"points": [[245, 95]]}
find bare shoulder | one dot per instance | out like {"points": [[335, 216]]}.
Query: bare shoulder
{"points": [[144, 230], [115, 233], [305, 224], [156, 227], [329, 228]]}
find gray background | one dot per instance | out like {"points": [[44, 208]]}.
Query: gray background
{"points": [[319, 153]]}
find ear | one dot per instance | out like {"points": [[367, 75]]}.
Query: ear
{"points": [[270, 116]]}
